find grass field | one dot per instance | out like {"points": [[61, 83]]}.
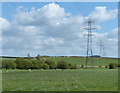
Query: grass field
{"points": [[81, 60], [7, 59], [78, 60], [68, 80]]}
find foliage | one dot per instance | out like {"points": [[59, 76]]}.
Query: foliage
{"points": [[51, 64], [119, 65], [20, 63], [38, 64], [106, 66], [100, 66], [82, 66], [112, 66], [28, 64], [8, 64], [45, 66], [63, 65], [73, 66]]}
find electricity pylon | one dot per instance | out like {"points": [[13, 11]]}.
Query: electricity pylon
{"points": [[89, 54], [101, 52]]}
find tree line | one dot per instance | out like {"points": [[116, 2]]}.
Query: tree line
{"points": [[21, 63]]}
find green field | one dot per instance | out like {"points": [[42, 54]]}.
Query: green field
{"points": [[81, 60], [58, 80], [97, 79], [7, 59]]}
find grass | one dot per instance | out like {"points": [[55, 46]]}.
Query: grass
{"points": [[68, 80], [81, 60], [77, 60], [7, 59]]}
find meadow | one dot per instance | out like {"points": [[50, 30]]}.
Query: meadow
{"points": [[77, 60], [81, 60], [58, 80], [95, 79]]}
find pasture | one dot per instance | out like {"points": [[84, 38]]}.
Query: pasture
{"points": [[97, 79], [78, 60], [81, 60], [58, 80]]}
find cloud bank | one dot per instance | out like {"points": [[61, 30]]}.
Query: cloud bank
{"points": [[51, 30]]}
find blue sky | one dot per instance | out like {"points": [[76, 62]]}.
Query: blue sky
{"points": [[75, 8], [78, 10], [9, 8]]}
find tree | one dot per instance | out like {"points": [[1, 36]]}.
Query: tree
{"points": [[38, 64], [20, 63], [28, 64], [45, 66], [8, 64], [112, 66], [62, 65], [51, 64], [73, 67]]}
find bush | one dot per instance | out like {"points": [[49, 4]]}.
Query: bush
{"points": [[118, 65], [20, 63], [45, 66], [82, 66], [38, 64], [35, 64], [62, 65], [112, 66], [73, 67], [100, 66], [51, 64], [106, 66], [8, 64], [28, 64]]}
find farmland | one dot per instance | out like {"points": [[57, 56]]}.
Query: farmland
{"points": [[96, 79], [81, 60], [78, 60], [55, 80]]}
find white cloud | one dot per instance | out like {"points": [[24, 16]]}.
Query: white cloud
{"points": [[102, 14], [50, 30], [54, 41], [4, 24]]}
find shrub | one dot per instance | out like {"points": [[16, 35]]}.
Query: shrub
{"points": [[118, 65], [106, 66], [112, 66], [62, 65], [35, 64], [82, 66], [73, 67], [38, 64], [8, 64], [28, 64], [100, 66], [51, 64], [20, 63], [45, 66]]}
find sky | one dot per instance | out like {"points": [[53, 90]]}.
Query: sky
{"points": [[52, 28]]}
